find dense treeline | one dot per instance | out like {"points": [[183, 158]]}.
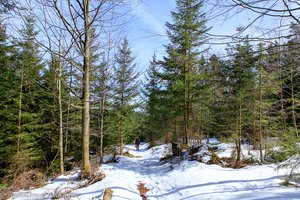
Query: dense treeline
{"points": [[251, 94]]}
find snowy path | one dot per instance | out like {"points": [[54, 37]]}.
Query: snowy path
{"points": [[188, 181], [129, 172], [193, 180]]}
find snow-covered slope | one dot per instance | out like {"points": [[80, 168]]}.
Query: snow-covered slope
{"points": [[187, 180]]}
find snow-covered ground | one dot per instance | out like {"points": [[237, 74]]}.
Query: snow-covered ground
{"points": [[187, 180]]}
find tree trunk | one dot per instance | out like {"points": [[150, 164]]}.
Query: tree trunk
{"points": [[121, 138], [293, 105], [61, 147], [238, 153], [282, 112], [239, 138], [176, 133], [186, 104], [68, 114], [260, 118], [20, 110], [102, 104], [151, 140], [86, 167], [266, 145], [122, 128]]}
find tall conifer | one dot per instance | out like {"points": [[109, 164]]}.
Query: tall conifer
{"points": [[125, 90], [186, 35], [155, 109]]}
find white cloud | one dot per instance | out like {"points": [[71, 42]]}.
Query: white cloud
{"points": [[142, 11]]}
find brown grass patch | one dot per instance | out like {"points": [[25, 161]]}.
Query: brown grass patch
{"points": [[91, 178], [231, 163], [26, 180]]}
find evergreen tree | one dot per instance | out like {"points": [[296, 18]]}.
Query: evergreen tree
{"points": [[242, 84], [267, 88], [51, 114], [275, 65], [155, 112], [101, 93], [186, 34], [292, 87], [54, 101], [211, 97], [288, 98], [8, 101], [30, 102], [125, 90]]}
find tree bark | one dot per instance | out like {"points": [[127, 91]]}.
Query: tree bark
{"points": [[239, 138], [260, 117], [61, 136], [20, 110], [186, 102], [102, 104], [282, 112], [293, 105], [86, 167], [67, 127], [122, 129]]}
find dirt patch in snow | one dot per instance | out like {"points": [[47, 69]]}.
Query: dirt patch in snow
{"points": [[127, 154], [143, 190], [230, 162]]}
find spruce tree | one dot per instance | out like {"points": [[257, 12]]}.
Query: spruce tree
{"points": [[155, 112], [124, 92], [288, 97], [211, 96], [292, 78], [101, 92], [186, 35], [242, 84], [267, 88], [9, 80], [30, 103]]}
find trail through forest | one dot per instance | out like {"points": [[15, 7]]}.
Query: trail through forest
{"points": [[144, 176]]}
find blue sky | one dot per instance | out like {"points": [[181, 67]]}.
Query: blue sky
{"points": [[147, 32]]}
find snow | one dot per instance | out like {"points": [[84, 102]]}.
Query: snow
{"points": [[225, 150], [108, 158], [188, 180], [213, 141]]}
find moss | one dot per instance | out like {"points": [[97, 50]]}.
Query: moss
{"points": [[3, 186]]}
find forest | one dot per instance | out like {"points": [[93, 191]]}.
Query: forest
{"points": [[70, 88]]}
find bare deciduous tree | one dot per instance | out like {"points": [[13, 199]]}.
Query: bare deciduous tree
{"points": [[77, 19]]}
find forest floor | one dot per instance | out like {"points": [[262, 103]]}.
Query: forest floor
{"points": [[144, 176]]}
